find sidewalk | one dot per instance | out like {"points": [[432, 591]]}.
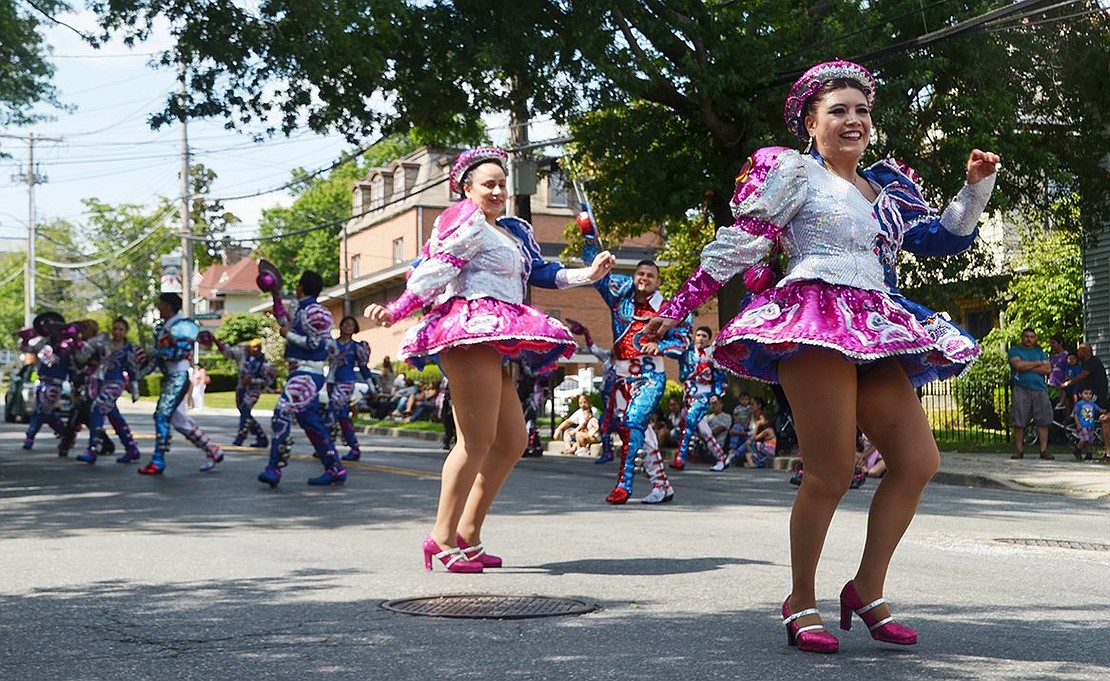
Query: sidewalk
{"points": [[997, 470], [1064, 475]]}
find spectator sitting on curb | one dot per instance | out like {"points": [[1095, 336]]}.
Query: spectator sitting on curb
{"points": [[580, 420]]}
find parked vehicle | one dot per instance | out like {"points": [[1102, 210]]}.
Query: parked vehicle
{"points": [[19, 401]]}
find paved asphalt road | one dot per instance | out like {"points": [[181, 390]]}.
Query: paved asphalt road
{"points": [[110, 575]]}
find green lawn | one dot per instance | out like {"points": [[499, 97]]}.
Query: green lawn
{"points": [[226, 400]]}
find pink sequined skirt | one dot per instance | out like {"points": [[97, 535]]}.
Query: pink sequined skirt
{"points": [[518, 332], [778, 323]]}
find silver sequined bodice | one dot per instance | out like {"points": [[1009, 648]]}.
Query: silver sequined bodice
{"points": [[495, 271], [832, 236]]}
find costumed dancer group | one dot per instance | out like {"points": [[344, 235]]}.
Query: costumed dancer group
{"points": [[100, 367], [834, 331]]}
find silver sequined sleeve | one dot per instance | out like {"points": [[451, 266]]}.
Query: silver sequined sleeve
{"points": [[572, 276], [760, 216], [962, 215], [456, 239], [770, 195]]}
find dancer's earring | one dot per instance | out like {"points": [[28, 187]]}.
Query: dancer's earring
{"points": [[809, 145]]}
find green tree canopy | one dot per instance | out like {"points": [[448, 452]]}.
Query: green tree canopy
{"points": [[305, 236], [26, 72], [666, 98]]}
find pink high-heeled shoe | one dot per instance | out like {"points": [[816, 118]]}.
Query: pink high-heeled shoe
{"points": [[885, 630], [477, 553], [452, 558], [814, 638]]}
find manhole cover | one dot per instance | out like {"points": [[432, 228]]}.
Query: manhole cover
{"points": [[490, 607], [1057, 544]]}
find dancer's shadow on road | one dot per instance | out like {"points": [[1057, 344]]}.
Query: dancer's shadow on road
{"points": [[652, 565]]}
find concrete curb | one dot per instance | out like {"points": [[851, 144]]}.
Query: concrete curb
{"points": [[429, 435]]}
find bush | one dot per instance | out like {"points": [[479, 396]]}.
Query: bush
{"points": [[221, 382], [151, 385], [981, 393], [429, 374]]}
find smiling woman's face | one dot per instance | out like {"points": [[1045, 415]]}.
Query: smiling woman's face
{"points": [[839, 121], [488, 190]]}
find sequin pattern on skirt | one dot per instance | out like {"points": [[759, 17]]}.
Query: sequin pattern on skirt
{"points": [[516, 331], [862, 325]]}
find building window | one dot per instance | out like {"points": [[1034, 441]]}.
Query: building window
{"points": [[557, 190], [399, 182], [357, 201], [398, 250], [356, 266], [377, 192]]}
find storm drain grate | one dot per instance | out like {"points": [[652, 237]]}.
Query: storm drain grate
{"points": [[490, 607], [1057, 544]]}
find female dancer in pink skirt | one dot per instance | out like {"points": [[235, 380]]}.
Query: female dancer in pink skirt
{"points": [[833, 331], [474, 271]]}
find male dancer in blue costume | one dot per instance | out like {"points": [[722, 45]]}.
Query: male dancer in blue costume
{"points": [[701, 379], [347, 355], [638, 366], [52, 369], [174, 338], [306, 331]]}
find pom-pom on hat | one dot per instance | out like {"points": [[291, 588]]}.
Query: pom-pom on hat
{"points": [[473, 157], [813, 80]]}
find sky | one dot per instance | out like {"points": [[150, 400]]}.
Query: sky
{"points": [[105, 149]]}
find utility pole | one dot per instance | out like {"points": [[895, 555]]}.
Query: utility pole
{"points": [[32, 177], [523, 168], [186, 231]]}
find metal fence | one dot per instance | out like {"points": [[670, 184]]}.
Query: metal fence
{"points": [[968, 413]]}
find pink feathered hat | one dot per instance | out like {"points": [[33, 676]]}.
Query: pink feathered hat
{"points": [[473, 157], [813, 80]]}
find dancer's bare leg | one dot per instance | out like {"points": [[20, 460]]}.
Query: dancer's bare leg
{"points": [[821, 387], [508, 445], [891, 415], [475, 373]]}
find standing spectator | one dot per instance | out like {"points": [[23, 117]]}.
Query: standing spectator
{"points": [[1086, 414], [200, 382], [1028, 368], [1092, 374], [1058, 360], [385, 380], [719, 422]]}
